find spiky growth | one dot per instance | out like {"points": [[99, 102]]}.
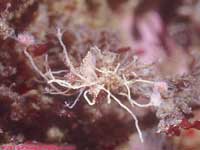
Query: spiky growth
{"points": [[98, 72]]}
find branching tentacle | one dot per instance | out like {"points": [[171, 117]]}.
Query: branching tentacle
{"points": [[128, 110]]}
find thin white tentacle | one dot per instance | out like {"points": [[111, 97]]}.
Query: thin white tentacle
{"points": [[129, 111]]}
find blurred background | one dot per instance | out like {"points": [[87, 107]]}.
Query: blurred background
{"points": [[161, 32]]}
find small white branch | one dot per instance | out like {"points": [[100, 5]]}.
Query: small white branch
{"points": [[72, 69], [88, 100], [66, 84], [128, 110], [128, 95], [75, 101]]}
